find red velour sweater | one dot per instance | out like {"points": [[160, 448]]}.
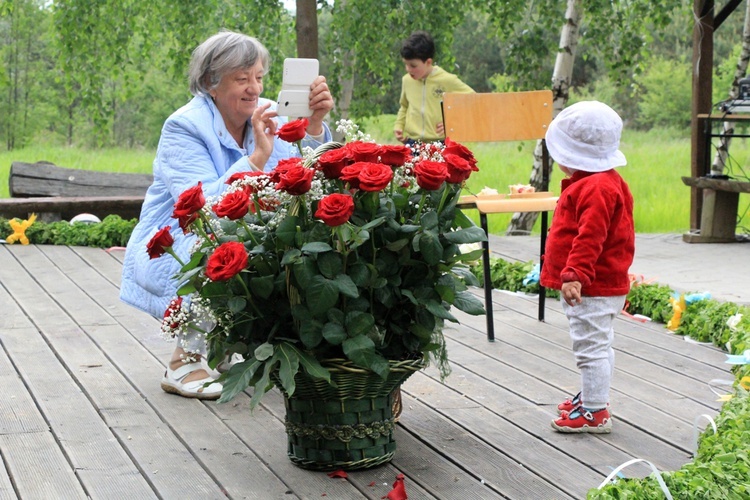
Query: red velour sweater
{"points": [[591, 239]]}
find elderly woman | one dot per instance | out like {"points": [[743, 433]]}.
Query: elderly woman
{"points": [[226, 128]]}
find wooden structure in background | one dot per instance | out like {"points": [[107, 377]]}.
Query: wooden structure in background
{"points": [[712, 197]]}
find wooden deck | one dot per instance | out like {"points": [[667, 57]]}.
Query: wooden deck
{"points": [[83, 415]]}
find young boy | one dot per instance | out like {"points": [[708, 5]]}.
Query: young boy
{"points": [[589, 251], [422, 87]]}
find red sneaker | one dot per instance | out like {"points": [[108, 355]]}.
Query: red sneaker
{"points": [[583, 420], [569, 404]]}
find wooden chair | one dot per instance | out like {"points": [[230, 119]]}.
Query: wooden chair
{"points": [[498, 117]]}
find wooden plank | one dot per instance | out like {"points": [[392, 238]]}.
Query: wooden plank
{"points": [[687, 373], [240, 471], [85, 437], [523, 449], [526, 401], [127, 207], [728, 185], [507, 116], [46, 179], [535, 357], [38, 467]]}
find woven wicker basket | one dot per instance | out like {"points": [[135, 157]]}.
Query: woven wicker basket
{"points": [[349, 426]]}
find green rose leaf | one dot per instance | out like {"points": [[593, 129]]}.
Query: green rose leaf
{"points": [[321, 294], [316, 247], [359, 323], [438, 310], [334, 333], [310, 333], [429, 245], [469, 303], [290, 256], [263, 351], [287, 229], [304, 271], [361, 350], [470, 235], [346, 286], [429, 220], [236, 304], [263, 286], [329, 264]]}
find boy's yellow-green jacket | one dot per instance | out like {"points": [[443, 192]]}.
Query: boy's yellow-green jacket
{"points": [[420, 103]]}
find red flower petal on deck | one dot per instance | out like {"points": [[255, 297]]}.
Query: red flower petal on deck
{"points": [[399, 489], [337, 473], [371, 484]]}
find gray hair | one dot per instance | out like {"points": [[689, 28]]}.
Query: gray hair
{"points": [[222, 54]]}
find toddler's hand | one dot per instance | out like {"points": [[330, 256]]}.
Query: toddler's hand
{"points": [[571, 292], [399, 135]]}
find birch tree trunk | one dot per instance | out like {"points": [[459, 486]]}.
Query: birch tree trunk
{"points": [[522, 223], [722, 151]]}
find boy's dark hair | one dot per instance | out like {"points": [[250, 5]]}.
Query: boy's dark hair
{"points": [[419, 45]]}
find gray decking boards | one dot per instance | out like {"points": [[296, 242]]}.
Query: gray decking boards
{"points": [[83, 414]]}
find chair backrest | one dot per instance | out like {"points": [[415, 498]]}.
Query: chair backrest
{"points": [[490, 117]]}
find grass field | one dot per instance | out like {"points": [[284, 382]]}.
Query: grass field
{"points": [[656, 161]]}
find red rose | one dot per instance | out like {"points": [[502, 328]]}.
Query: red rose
{"points": [[395, 154], [293, 131], [331, 162], [159, 242], [283, 166], [233, 205], [374, 176], [226, 261], [363, 151], [237, 176], [452, 147], [296, 180], [335, 209], [350, 174], [459, 169], [430, 174], [188, 205]]}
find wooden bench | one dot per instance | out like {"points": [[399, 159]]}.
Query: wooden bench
{"points": [[719, 214], [56, 193]]}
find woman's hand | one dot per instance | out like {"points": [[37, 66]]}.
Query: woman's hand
{"points": [[321, 102], [264, 129]]}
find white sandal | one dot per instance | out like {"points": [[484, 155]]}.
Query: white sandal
{"points": [[197, 389]]}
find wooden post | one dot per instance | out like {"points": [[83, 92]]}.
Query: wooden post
{"points": [[703, 57]]}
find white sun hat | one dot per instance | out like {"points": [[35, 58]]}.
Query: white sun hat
{"points": [[586, 136]]}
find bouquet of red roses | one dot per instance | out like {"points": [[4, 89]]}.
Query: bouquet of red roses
{"points": [[352, 252]]}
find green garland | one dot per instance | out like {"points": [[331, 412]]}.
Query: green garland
{"points": [[113, 231]]}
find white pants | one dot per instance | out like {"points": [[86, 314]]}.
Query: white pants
{"points": [[592, 335]]}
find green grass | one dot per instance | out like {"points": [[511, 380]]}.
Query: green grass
{"points": [[656, 161]]}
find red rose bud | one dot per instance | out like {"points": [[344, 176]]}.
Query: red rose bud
{"points": [[374, 176], [293, 131], [283, 166], [335, 209], [296, 180], [395, 154], [331, 162], [363, 151], [190, 202], [233, 205], [159, 242], [430, 174], [227, 261], [459, 169]]}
